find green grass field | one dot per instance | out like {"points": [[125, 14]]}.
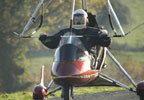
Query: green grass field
{"points": [[28, 95]]}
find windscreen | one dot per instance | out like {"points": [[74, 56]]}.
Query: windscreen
{"points": [[71, 49]]}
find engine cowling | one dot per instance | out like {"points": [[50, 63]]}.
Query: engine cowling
{"points": [[140, 88], [39, 92]]}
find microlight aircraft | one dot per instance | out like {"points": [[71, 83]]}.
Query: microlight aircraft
{"points": [[71, 67]]}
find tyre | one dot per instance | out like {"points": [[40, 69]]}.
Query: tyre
{"points": [[67, 93]]}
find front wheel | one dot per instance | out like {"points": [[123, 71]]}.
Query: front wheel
{"points": [[67, 93]]}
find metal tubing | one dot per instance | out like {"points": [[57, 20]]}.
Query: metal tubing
{"points": [[30, 36], [115, 17], [121, 68], [71, 21], [73, 7], [33, 15], [56, 89], [50, 84], [84, 5], [118, 83]]}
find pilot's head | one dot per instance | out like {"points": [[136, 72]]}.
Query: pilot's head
{"points": [[80, 19]]}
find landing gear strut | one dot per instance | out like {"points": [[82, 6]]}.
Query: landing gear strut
{"points": [[67, 92]]}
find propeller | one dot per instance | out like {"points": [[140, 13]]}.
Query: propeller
{"points": [[40, 91]]}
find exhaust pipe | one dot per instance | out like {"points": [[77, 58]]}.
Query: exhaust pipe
{"points": [[40, 91]]}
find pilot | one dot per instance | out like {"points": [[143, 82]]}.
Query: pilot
{"points": [[92, 36]]}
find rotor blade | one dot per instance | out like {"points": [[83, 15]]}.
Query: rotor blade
{"points": [[42, 75]]}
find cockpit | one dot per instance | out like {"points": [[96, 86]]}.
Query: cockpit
{"points": [[71, 48]]}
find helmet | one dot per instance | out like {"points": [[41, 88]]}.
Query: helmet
{"points": [[80, 19]]}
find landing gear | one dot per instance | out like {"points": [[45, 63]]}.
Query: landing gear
{"points": [[67, 92]]}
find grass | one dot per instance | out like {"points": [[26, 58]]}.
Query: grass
{"points": [[36, 63], [123, 56], [17, 96], [77, 91]]}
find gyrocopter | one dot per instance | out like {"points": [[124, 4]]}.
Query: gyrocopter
{"points": [[71, 67]]}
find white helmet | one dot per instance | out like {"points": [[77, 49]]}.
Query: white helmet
{"points": [[80, 19]]}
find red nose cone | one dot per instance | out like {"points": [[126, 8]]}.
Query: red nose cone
{"points": [[39, 93], [67, 69], [140, 88]]}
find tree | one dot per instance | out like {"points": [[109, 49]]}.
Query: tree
{"points": [[12, 52]]}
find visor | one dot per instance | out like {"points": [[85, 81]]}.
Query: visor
{"points": [[78, 19]]}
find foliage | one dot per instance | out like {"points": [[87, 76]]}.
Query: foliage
{"points": [[17, 96], [135, 70], [12, 53]]}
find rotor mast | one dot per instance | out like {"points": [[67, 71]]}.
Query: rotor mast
{"points": [[84, 5], [71, 21]]}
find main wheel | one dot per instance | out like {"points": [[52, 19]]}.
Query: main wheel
{"points": [[67, 93]]}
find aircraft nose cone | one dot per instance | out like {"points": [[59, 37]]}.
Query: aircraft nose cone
{"points": [[67, 69]]}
